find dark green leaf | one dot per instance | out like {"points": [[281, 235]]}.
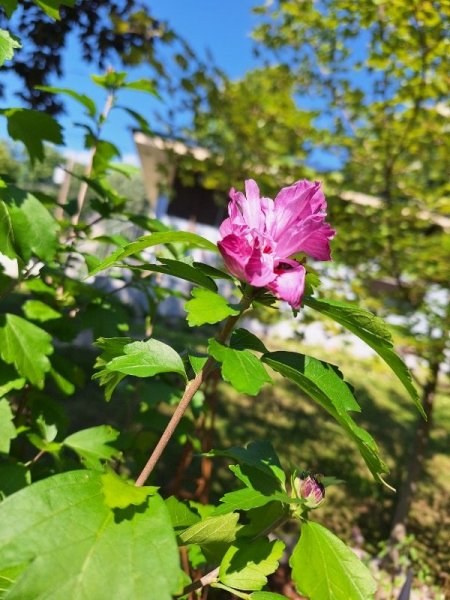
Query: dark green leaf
{"points": [[260, 455], [9, 6], [51, 7], [373, 331], [25, 346], [87, 102], [242, 339], [246, 566], [32, 128], [192, 240], [324, 384], [182, 270], [241, 368], [9, 380], [13, 477], [324, 568], [212, 271], [68, 540]]}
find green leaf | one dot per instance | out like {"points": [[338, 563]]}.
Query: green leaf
{"points": [[245, 499], [32, 127], [207, 307], [323, 383], [51, 7], [197, 362], [111, 347], [246, 566], [31, 229], [267, 596], [25, 346], [374, 332], [192, 240], [241, 368], [39, 311], [104, 153], [212, 533], [182, 270], [7, 429], [13, 477], [93, 445], [140, 120], [70, 542], [212, 271], [6, 232], [8, 44], [87, 102], [242, 339], [119, 493], [260, 455], [142, 85], [111, 80], [9, 6], [145, 359], [181, 513], [324, 568], [9, 380]]}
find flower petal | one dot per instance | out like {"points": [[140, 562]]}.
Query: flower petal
{"points": [[236, 252], [295, 203], [259, 270], [311, 236], [289, 284]]}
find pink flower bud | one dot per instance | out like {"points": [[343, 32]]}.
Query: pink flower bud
{"points": [[310, 489]]}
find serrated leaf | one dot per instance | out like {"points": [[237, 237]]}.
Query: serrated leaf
{"points": [[145, 359], [242, 339], [87, 102], [60, 530], [32, 127], [111, 347], [7, 429], [94, 445], [245, 499], [260, 455], [372, 330], [323, 383], [241, 368], [25, 346], [207, 307], [39, 311], [181, 270], [119, 493], [8, 44], [9, 379], [32, 229], [324, 568], [246, 566], [192, 240], [181, 513]]}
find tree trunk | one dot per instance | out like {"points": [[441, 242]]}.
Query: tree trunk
{"points": [[417, 457]]}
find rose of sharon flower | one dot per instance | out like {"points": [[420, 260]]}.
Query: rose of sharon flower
{"points": [[310, 489], [261, 234]]}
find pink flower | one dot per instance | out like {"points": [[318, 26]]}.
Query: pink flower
{"points": [[260, 235]]}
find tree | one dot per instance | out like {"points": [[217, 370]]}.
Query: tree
{"points": [[378, 71]]}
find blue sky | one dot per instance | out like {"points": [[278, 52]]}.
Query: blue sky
{"points": [[222, 26]]}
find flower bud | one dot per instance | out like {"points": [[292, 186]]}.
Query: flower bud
{"points": [[309, 489]]}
